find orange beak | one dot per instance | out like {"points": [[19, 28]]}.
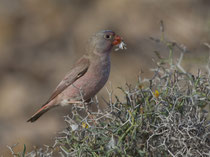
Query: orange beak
{"points": [[117, 40]]}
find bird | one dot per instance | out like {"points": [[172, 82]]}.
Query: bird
{"points": [[87, 76]]}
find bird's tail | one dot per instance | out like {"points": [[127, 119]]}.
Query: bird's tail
{"points": [[39, 113]]}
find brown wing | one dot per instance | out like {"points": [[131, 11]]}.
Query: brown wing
{"points": [[76, 72]]}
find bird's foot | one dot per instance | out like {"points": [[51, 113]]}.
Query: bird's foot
{"points": [[66, 102]]}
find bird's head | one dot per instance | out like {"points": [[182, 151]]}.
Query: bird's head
{"points": [[103, 41]]}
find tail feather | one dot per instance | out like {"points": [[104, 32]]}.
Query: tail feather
{"points": [[38, 114]]}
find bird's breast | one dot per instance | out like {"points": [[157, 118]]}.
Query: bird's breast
{"points": [[93, 80]]}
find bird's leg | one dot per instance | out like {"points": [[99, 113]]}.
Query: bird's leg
{"points": [[87, 102], [88, 111], [74, 102], [77, 103]]}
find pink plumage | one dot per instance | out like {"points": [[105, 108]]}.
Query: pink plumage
{"points": [[88, 75]]}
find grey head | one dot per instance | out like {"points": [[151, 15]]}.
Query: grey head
{"points": [[103, 41]]}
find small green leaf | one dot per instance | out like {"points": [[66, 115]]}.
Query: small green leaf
{"points": [[24, 151]]}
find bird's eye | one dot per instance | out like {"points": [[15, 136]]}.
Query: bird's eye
{"points": [[107, 36]]}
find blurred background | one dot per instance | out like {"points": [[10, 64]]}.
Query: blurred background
{"points": [[40, 40]]}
